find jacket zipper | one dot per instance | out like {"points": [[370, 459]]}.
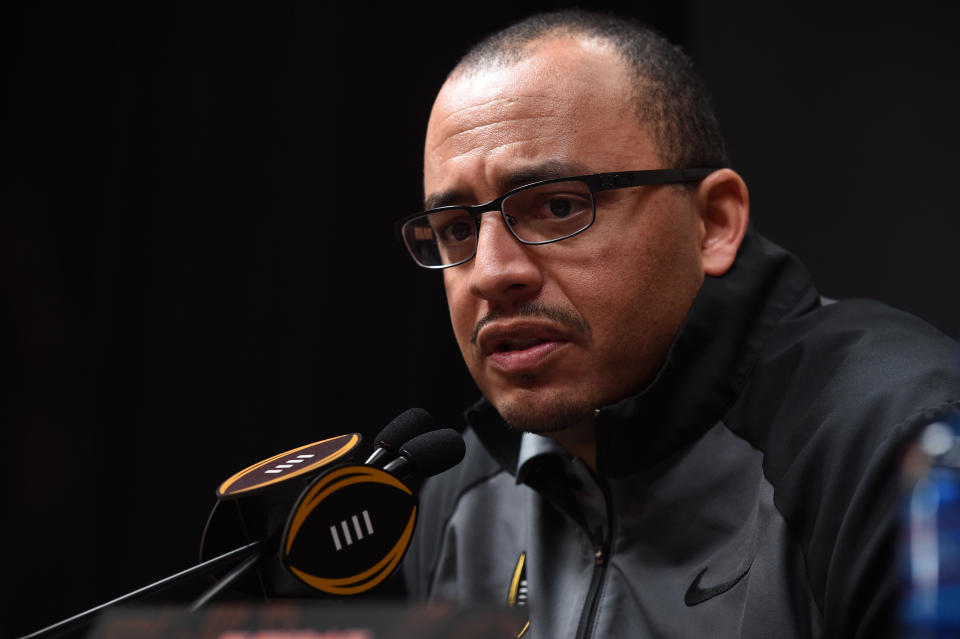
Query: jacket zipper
{"points": [[601, 553]]}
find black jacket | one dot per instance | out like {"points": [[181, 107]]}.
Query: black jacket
{"points": [[751, 490]]}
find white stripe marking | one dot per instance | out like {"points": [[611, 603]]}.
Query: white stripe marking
{"points": [[284, 465], [293, 461], [336, 537], [273, 471], [366, 519], [356, 528], [346, 532], [305, 456]]}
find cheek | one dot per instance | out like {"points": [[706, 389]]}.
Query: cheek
{"points": [[636, 291], [462, 309]]}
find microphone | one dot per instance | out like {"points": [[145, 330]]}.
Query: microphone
{"points": [[346, 530], [403, 428], [253, 505], [428, 454], [265, 493], [352, 526], [347, 547]]}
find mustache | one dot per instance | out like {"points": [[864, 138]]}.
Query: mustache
{"points": [[566, 318]]}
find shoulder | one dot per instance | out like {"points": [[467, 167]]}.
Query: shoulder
{"points": [[835, 395], [440, 494], [439, 499], [839, 389], [856, 363], [864, 341]]}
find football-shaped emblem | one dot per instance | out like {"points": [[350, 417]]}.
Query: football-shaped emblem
{"points": [[349, 530], [293, 463]]}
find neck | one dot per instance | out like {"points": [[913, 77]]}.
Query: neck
{"points": [[580, 441]]}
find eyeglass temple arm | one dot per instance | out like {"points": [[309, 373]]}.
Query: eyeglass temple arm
{"points": [[655, 176]]}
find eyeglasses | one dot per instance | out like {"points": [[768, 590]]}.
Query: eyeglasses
{"points": [[538, 213]]}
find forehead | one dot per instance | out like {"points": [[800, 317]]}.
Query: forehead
{"points": [[568, 103]]}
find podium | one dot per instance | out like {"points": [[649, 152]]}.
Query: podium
{"points": [[288, 619]]}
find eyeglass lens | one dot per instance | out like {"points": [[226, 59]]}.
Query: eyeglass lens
{"points": [[543, 213]]}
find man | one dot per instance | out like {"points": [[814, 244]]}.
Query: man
{"points": [[678, 437]]}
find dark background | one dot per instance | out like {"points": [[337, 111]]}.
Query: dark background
{"points": [[198, 268]]}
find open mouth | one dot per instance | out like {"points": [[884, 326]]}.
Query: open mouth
{"points": [[521, 348], [522, 355], [520, 344]]}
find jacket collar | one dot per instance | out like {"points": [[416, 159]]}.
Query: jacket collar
{"points": [[707, 365]]}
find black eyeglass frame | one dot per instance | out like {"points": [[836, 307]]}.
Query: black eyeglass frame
{"points": [[596, 182]]}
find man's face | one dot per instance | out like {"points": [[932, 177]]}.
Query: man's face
{"points": [[552, 332]]}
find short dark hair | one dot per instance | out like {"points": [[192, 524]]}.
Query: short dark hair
{"points": [[671, 97]]}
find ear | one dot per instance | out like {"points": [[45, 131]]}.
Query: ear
{"points": [[724, 206]]}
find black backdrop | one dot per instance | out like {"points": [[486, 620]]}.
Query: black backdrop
{"points": [[198, 267]]}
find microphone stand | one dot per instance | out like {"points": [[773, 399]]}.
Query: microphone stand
{"points": [[221, 585], [250, 551]]}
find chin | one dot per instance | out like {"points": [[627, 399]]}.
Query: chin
{"points": [[543, 415]]}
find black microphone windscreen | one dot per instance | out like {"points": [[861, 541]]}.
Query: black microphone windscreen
{"points": [[434, 452], [403, 427]]}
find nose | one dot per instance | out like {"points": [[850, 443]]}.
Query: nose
{"points": [[504, 272]]}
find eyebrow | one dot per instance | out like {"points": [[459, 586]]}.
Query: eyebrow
{"points": [[545, 170]]}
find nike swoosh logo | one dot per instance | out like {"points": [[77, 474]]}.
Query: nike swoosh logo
{"points": [[697, 595]]}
